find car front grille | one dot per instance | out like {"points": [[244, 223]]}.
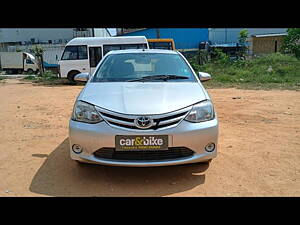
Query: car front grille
{"points": [[171, 153], [166, 120]]}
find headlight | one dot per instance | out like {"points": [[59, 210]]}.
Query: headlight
{"points": [[84, 112], [201, 112]]}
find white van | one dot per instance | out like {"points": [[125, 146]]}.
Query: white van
{"points": [[81, 55]]}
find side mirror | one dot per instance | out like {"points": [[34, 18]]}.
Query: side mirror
{"points": [[204, 76], [82, 77]]}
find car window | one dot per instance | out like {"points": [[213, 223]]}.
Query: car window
{"points": [[127, 66]]}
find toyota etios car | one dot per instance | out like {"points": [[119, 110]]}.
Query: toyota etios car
{"points": [[143, 108]]}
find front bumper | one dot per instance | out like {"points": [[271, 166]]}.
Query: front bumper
{"points": [[194, 136]]}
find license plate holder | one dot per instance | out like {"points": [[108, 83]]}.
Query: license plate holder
{"points": [[141, 142]]}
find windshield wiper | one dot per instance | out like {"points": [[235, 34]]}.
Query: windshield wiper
{"points": [[159, 77]]}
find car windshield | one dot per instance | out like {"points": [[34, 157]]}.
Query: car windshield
{"points": [[144, 67]]}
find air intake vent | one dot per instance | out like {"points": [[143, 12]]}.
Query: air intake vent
{"points": [[171, 153]]}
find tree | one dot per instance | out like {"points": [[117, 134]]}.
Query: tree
{"points": [[242, 41], [291, 42], [38, 52]]}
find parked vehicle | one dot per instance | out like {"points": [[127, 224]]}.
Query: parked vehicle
{"points": [[143, 108], [18, 62], [83, 54], [161, 43]]}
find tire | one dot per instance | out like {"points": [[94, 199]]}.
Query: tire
{"points": [[71, 75], [29, 71], [8, 71]]}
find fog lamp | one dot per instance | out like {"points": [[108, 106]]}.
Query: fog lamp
{"points": [[210, 147], [77, 149]]}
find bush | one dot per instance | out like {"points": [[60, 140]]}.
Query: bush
{"points": [[30, 77], [291, 42], [220, 57], [266, 71], [194, 63]]}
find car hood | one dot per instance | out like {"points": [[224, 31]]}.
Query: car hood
{"points": [[143, 98]]}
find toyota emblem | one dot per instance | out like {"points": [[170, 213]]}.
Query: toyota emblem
{"points": [[143, 122]]}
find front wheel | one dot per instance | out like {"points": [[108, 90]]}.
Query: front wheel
{"points": [[71, 76], [29, 71]]}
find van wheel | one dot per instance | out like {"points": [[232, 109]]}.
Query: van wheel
{"points": [[71, 76], [29, 71]]}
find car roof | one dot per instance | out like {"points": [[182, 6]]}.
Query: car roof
{"points": [[142, 51]]}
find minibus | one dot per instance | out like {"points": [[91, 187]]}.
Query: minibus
{"points": [[82, 55]]}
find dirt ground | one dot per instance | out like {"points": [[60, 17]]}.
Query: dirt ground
{"points": [[258, 150]]}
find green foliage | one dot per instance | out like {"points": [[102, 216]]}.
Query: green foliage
{"points": [[49, 78], [220, 57], [48, 75], [243, 36], [30, 77], [242, 42], [194, 63], [37, 50], [291, 42], [274, 70]]}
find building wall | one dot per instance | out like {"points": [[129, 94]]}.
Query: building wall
{"points": [[265, 45], [56, 35], [184, 38], [101, 32], [231, 35], [122, 31], [40, 34]]}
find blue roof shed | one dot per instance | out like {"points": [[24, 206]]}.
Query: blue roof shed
{"points": [[184, 38]]}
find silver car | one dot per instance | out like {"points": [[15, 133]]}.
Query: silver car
{"points": [[143, 107]]}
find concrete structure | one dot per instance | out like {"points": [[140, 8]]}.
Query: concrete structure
{"points": [[231, 35], [122, 31], [19, 36], [35, 35], [52, 40], [101, 32], [265, 43]]}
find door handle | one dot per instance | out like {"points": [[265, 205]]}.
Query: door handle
{"points": [[83, 68]]}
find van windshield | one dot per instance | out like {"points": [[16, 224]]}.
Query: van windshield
{"points": [[161, 45], [136, 66]]}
